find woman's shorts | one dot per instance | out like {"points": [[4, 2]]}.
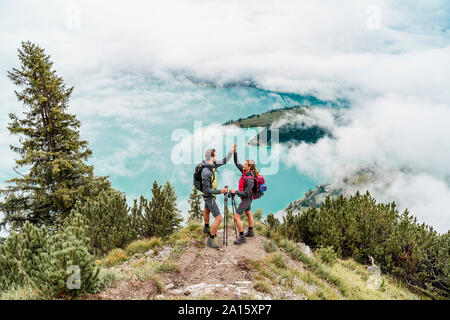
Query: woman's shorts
{"points": [[245, 205]]}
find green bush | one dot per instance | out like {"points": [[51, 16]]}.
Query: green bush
{"points": [[269, 246], [262, 286], [257, 215], [327, 255], [109, 222], [277, 260], [49, 263], [272, 224], [141, 246], [166, 267], [359, 226], [114, 257]]}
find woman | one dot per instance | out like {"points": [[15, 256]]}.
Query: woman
{"points": [[245, 192]]}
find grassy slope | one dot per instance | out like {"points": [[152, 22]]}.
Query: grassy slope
{"points": [[285, 268], [284, 271]]}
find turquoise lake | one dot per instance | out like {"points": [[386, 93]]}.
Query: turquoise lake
{"points": [[150, 157]]}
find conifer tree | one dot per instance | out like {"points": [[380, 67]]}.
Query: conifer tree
{"points": [[109, 223], [195, 210], [171, 206], [51, 165], [137, 216], [161, 215]]}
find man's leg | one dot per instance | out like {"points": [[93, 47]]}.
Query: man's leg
{"points": [[206, 218], [212, 206], [216, 224], [206, 214]]}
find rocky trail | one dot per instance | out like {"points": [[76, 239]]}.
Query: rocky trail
{"points": [[202, 272], [264, 269]]}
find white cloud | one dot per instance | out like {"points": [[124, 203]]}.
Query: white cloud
{"points": [[395, 78], [404, 140]]}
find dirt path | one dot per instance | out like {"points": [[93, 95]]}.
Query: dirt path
{"points": [[202, 272], [218, 273]]}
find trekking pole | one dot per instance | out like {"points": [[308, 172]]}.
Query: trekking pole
{"points": [[226, 220], [233, 206], [225, 211]]}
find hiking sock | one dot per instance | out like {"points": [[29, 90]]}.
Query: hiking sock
{"points": [[241, 233], [212, 236], [250, 228], [206, 225]]}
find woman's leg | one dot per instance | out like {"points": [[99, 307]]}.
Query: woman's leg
{"points": [[237, 219], [249, 218]]}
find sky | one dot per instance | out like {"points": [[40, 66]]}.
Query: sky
{"points": [[389, 59]]}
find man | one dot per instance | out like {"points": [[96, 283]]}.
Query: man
{"points": [[209, 189]]}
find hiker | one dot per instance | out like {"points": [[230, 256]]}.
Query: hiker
{"points": [[245, 192], [209, 189]]}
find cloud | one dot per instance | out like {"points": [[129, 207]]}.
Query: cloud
{"points": [[402, 140], [395, 75], [324, 49]]}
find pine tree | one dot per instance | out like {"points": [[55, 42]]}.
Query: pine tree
{"points": [[50, 147], [195, 210], [137, 216], [161, 216], [109, 223], [171, 207]]}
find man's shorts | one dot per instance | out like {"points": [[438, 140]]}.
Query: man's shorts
{"points": [[246, 205], [211, 204]]}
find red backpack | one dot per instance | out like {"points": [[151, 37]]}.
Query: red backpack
{"points": [[259, 185]]}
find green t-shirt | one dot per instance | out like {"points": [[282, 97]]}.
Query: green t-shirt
{"points": [[214, 181]]}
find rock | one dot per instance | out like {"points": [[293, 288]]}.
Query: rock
{"points": [[170, 286], [305, 248], [179, 292], [186, 292], [149, 252], [163, 254], [202, 288]]}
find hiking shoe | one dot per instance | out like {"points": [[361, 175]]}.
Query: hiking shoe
{"points": [[239, 240], [210, 243], [249, 233], [206, 230]]}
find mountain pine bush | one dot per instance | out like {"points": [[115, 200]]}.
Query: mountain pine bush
{"points": [[56, 265], [109, 223], [359, 226]]}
